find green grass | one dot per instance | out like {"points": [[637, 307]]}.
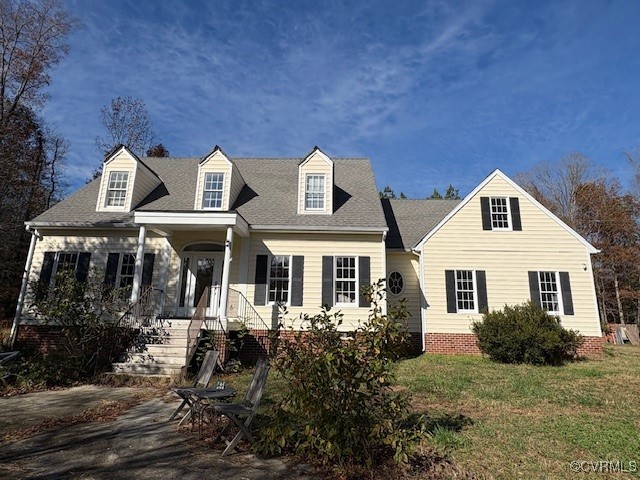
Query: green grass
{"points": [[520, 421]]}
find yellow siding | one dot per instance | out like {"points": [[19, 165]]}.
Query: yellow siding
{"points": [[237, 182], [313, 247], [409, 266], [506, 257], [100, 244], [144, 183], [316, 165], [122, 162], [216, 163]]}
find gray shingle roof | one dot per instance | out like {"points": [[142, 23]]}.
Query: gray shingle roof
{"points": [[268, 198], [410, 220]]}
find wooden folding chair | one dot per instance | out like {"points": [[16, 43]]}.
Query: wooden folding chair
{"points": [[211, 359], [241, 414]]}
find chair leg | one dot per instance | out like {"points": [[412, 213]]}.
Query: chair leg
{"points": [[243, 431], [173, 415]]}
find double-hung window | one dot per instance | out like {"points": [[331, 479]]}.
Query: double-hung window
{"points": [[65, 262], [465, 291], [314, 192], [549, 292], [346, 280], [500, 213], [279, 279], [127, 269], [213, 190], [117, 189]]}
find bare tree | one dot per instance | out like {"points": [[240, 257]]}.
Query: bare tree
{"points": [[127, 122], [33, 39], [557, 185]]}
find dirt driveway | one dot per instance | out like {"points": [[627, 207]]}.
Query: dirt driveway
{"points": [[139, 444]]}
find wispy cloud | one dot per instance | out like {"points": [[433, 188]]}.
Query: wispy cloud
{"points": [[434, 93]]}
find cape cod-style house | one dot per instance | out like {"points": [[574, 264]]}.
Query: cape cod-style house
{"points": [[217, 242]]}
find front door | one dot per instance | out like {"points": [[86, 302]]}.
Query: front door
{"points": [[199, 271]]}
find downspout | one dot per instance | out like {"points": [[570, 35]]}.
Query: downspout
{"points": [[423, 307], [23, 288], [384, 271]]}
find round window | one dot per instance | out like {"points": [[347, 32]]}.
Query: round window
{"points": [[395, 283]]}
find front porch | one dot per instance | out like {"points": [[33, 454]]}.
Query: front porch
{"points": [[198, 287]]}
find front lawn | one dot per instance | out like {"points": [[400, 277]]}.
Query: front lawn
{"points": [[519, 421]]}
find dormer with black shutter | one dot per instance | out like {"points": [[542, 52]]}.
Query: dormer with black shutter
{"points": [[315, 184]]}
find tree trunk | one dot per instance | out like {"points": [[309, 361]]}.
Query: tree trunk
{"points": [[618, 300]]}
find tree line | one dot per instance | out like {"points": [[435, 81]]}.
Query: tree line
{"points": [[33, 40]]}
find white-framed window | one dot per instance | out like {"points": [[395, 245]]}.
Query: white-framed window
{"points": [[279, 278], [65, 261], [466, 291], [314, 190], [395, 283], [550, 292], [500, 213], [126, 270], [345, 280], [213, 190], [117, 189]]}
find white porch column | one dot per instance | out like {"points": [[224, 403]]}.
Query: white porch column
{"points": [[137, 273], [224, 291], [23, 289]]}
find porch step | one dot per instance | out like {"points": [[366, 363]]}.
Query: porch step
{"points": [[160, 348], [154, 369]]}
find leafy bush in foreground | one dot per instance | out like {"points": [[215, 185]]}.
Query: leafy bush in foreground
{"points": [[339, 409], [526, 334]]}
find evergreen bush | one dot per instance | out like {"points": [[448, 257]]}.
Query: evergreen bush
{"points": [[526, 334]]}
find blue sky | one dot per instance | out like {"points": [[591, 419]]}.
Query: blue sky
{"points": [[433, 92]]}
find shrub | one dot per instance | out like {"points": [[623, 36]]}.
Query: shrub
{"points": [[340, 409], [526, 334], [85, 314]]}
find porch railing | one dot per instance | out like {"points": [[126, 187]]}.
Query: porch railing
{"points": [[144, 311], [238, 307]]}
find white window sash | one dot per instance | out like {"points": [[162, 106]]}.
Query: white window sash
{"points": [[558, 292], [475, 292], [217, 194], [314, 192], [509, 226], [288, 279], [356, 281]]}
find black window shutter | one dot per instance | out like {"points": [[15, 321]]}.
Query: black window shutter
{"points": [[452, 302], [297, 277], [567, 299], [364, 279], [147, 268], [516, 221], [111, 271], [534, 289], [82, 270], [481, 284], [47, 268], [486, 213], [327, 281], [260, 294]]}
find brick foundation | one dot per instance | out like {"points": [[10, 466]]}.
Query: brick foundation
{"points": [[40, 338], [465, 343]]}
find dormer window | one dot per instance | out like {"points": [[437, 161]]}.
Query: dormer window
{"points": [[314, 192], [117, 189], [213, 190]]}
